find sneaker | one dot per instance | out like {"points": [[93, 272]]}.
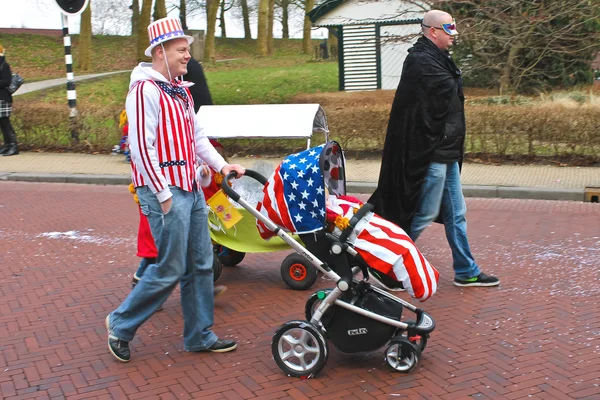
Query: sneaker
{"points": [[220, 289], [480, 280], [118, 348], [222, 346]]}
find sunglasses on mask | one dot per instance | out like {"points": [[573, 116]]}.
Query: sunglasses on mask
{"points": [[449, 28]]}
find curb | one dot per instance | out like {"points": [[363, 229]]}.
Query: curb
{"points": [[503, 192]]}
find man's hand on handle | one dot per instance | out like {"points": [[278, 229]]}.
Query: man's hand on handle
{"points": [[233, 167]]}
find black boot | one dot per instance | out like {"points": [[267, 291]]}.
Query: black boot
{"points": [[3, 148], [11, 151]]}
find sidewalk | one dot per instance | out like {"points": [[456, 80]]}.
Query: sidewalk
{"points": [[479, 180]]}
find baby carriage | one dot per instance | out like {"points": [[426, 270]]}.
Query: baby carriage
{"points": [[354, 316]]}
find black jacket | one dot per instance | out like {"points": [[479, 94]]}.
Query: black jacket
{"points": [[428, 104], [5, 79], [200, 92]]}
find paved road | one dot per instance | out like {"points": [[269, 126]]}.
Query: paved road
{"points": [[67, 255]]}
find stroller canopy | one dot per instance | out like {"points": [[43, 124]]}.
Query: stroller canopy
{"points": [[294, 196], [263, 121]]}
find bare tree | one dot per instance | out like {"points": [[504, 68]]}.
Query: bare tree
{"points": [[225, 6], [246, 19], [183, 14], [111, 18], [522, 44], [212, 9], [285, 14], [143, 29], [263, 23], [306, 33], [135, 17], [160, 9], [270, 20], [85, 38]]}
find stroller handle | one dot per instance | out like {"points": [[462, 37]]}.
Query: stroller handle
{"points": [[232, 193], [360, 214]]}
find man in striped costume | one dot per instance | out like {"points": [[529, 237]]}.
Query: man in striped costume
{"points": [[166, 139]]}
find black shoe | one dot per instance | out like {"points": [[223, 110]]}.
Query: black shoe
{"points": [[480, 280], [11, 150], [118, 348], [222, 346], [3, 148]]}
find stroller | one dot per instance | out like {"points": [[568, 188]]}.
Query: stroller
{"points": [[355, 316]]}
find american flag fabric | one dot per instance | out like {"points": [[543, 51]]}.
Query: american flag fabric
{"points": [[386, 248], [294, 196]]}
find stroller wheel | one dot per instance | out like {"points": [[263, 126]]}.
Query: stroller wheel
{"points": [[296, 273], [299, 349], [402, 355], [228, 257], [312, 304], [217, 266]]}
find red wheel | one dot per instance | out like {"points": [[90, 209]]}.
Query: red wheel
{"points": [[297, 273]]}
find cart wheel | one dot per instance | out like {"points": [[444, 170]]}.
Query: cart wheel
{"points": [[296, 273], [299, 349], [402, 355], [228, 257], [217, 267]]}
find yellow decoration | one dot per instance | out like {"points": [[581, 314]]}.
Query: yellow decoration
{"points": [[223, 208], [122, 119], [131, 188], [136, 199], [341, 222]]}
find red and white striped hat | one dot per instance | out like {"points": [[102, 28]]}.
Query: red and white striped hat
{"points": [[163, 30]]}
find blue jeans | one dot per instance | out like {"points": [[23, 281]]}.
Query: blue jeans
{"points": [[185, 256], [442, 193], [145, 262]]}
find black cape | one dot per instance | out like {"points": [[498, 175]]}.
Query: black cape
{"points": [[199, 91], [429, 81]]}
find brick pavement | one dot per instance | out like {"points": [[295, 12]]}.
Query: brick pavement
{"points": [[67, 255]]}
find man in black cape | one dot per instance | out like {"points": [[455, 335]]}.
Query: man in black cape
{"points": [[419, 180]]}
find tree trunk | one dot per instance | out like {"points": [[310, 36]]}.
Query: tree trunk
{"points": [[270, 20], [222, 20], [160, 9], [212, 9], [246, 17], [85, 39], [135, 17], [183, 14], [306, 42], [143, 41], [507, 71], [285, 34], [261, 39]]}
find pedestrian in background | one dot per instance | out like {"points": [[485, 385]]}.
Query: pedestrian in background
{"points": [[9, 148], [419, 180], [165, 139]]}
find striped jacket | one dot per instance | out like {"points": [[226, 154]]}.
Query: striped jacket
{"points": [[165, 138]]}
